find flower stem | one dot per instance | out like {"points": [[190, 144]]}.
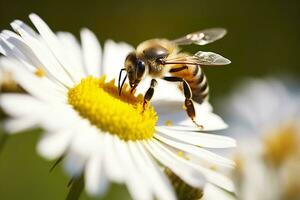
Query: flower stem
{"points": [[76, 189]]}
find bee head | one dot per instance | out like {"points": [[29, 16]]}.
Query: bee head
{"points": [[136, 70]]}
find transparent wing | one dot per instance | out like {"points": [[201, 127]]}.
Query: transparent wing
{"points": [[210, 58], [202, 37], [200, 58]]}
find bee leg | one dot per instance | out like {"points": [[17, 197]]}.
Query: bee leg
{"points": [[188, 103], [149, 93]]}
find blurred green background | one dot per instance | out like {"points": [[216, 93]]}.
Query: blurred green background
{"points": [[263, 39]]}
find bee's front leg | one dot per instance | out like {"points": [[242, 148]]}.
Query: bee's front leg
{"points": [[149, 93], [188, 103]]}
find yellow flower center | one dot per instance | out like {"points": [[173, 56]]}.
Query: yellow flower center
{"points": [[281, 144], [124, 116]]}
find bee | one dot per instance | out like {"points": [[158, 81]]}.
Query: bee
{"points": [[162, 58]]}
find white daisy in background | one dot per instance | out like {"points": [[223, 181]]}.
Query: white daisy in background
{"points": [[264, 117], [100, 134]]}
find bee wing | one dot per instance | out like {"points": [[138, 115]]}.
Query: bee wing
{"points": [[200, 58], [210, 58], [202, 37]]}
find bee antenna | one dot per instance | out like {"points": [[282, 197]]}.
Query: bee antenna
{"points": [[120, 86]]}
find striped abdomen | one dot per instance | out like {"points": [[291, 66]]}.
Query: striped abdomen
{"points": [[196, 80]]}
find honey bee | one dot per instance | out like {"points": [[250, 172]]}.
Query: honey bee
{"points": [[161, 58]]}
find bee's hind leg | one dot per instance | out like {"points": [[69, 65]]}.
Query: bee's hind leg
{"points": [[149, 93], [188, 103]]}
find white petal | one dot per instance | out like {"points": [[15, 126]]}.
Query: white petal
{"points": [[86, 140], [36, 86], [54, 45], [31, 51], [18, 24], [218, 179], [138, 188], [199, 139], [3, 49], [24, 116], [176, 164], [16, 48], [200, 153], [159, 182], [96, 182], [60, 116], [209, 175], [112, 166], [165, 92], [53, 145], [212, 192], [74, 164], [173, 111], [91, 51], [7, 63], [114, 55], [18, 105], [15, 125], [73, 51], [1, 75], [209, 121]]}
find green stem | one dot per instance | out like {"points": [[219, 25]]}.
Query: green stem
{"points": [[76, 189]]}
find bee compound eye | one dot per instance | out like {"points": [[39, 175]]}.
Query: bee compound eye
{"points": [[141, 65], [140, 68]]}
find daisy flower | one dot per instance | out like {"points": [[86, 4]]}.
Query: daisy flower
{"points": [[104, 136], [265, 120]]}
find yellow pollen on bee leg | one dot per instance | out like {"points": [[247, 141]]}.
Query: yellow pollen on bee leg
{"points": [[124, 115]]}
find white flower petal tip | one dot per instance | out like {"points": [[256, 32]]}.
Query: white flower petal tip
{"points": [[35, 17], [18, 24], [114, 55], [198, 138], [18, 125], [202, 154], [74, 164], [96, 182], [53, 145], [91, 50], [212, 192], [23, 117]]}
